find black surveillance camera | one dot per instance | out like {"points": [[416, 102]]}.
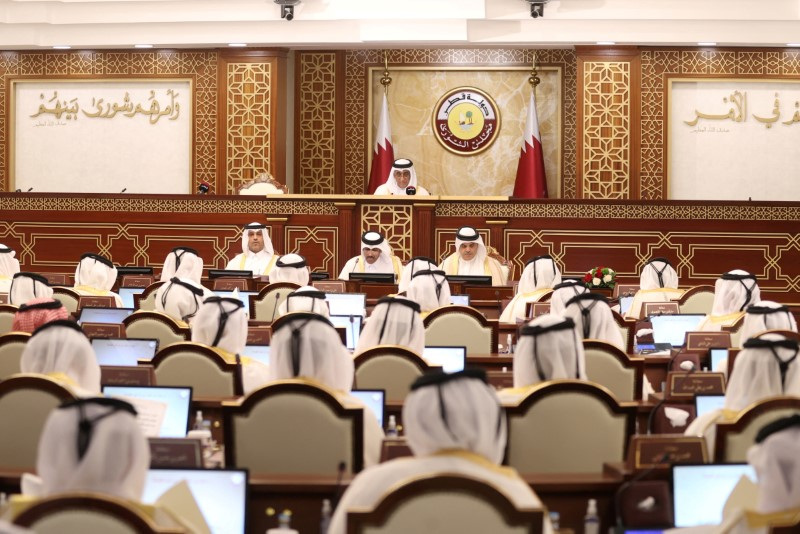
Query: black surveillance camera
{"points": [[287, 12], [537, 9]]}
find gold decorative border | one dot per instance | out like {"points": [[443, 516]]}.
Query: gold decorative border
{"points": [[201, 66], [657, 65], [356, 127]]}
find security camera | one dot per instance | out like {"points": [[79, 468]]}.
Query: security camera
{"points": [[537, 7], [287, 8]]}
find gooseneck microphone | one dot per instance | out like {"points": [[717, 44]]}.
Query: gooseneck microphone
{"points": [[203, 188], [275, 307], [411, 190]]}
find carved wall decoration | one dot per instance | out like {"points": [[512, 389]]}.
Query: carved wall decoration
{"points": [[201, 66], [394, 222]]}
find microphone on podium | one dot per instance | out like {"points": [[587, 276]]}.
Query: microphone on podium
{"points": [[123, 190], [203, 188], [411, 190]]}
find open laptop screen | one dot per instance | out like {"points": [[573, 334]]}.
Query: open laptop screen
{"points": [[706, 403], [124, 352], [173, 402], [104, 315], [717, 357], [352, 326], [221, 494], [459, 300], [244, 296], [699, 492], [127, 293], [374, 399], [257, 352], [450, 359], [347, 303], [625, 304], [672, 328]]}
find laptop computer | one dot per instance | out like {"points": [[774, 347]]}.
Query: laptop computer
{"points": [[123, 352], [699, 491], [459, 300], [717, 356], [221, 494], [377, 278], [244, 296], [480, 280], [164, 410], [706, 403], [352, 325], [450, 359], [374, 399], [127, 293], [625, 304], [672, 328], [228, 273], [257, 352], [347, 303], [103, 315]]}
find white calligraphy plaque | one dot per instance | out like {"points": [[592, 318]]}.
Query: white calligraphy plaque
{"points": [[102, 136]]}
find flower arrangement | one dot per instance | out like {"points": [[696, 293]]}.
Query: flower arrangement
{"points": [[600, 277]]}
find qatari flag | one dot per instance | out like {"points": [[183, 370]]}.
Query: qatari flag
{"points": [[382, 153], [531, 181]]}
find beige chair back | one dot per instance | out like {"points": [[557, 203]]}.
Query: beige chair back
{"points": [[263, 184], [735, 437], [583, 424], [197, 365], [154, 325], [26, 401], [147, 300], [264, 306], [7, 312], [453, 503], [698, 299], [292, 427], [461, 325], [11, 347], [610, 367], [69, 298], [389, 367], [78, 513]]}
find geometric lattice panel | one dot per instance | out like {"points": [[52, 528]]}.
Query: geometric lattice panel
{"points": [[444, 240], [200, 66], [358, 146], [247, 142], [316, 135], [606, 129], [394, 222], [317, 244]]}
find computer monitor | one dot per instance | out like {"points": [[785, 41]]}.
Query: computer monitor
{"points": [[127, 293], [319, 275], [699, 492], [221, 494], [176, 400], [374, 399], [380, 278], [459, 300], [450, 359], [717, 357], [706, 403], [347, 303], [625, 304], [140, 271], [244, 296], [227, 273], [471, 280], [257, 352], [103, 315], [352, 326], [672, 328], [123, 352]]}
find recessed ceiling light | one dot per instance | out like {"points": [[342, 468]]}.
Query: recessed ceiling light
{"points": [[62, 47], [143, 46], [606, 42], [237, 45], [793, 45], [706, 43]]}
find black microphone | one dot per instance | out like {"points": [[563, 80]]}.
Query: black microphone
{"points": [[337, 492], [125, 189], [275, 307], [18, 191], [411, 190], [203, 188], [29, 190]]}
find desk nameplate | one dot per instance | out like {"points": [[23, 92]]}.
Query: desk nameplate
{"points": [[119, 375], [661, 451], [660, 308], [702, 341], [175, 453], [687, 385], [103, 330]]}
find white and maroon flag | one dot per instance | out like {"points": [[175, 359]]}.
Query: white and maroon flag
{"points": [[531, 181], [382, 153]]}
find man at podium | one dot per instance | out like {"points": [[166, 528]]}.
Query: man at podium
{"points": [[257, 254]]}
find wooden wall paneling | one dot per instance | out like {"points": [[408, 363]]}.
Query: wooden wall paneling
{"points": [[252, 105], [350, 238], [423, 230]]}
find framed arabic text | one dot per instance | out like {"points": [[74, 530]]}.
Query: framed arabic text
{"points": [[107, 136], [732, 139]]}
